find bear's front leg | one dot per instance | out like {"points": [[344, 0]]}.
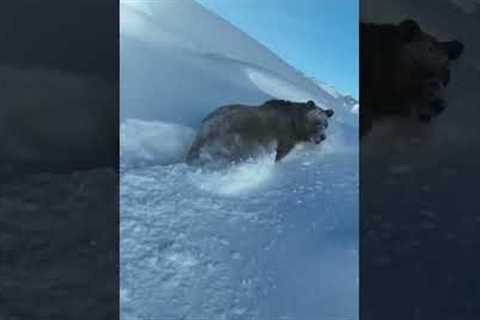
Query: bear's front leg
{"points": [[433, 101], [283, 148]]}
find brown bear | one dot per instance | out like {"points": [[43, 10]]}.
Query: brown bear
{"points": [[404, 70], [234, 133]]}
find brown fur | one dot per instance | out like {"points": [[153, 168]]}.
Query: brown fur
{"points": [[237, 132]]}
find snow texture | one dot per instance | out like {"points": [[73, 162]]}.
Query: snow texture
{"points": [[254, 241]]}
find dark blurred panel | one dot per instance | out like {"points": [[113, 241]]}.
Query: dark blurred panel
{"points": [[420, 159], [59, 159], [59, 79], [73, 36]]}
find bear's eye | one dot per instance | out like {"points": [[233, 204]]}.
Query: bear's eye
{"points": [[322, 124]]}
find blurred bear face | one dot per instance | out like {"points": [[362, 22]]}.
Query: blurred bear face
{"points": [[428, 62], [424, 52], [317, 123]]}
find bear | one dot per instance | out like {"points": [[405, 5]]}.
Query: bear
{"points": [[404, 70], [235, 133]]}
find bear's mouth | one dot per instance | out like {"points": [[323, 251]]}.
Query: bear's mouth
{"points": [[318, 138], [435, 108], [425, 118]]}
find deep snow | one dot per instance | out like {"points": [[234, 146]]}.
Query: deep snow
{"points": [[254, 241]]}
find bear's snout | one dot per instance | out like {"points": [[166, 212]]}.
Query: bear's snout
{"points": [[439, 105], [436, 107], [425, 117], [319, 138]]}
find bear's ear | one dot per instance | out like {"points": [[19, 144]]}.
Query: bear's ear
{"points": [[453, 48], [329, 112], [408, 29], [310, 104]]}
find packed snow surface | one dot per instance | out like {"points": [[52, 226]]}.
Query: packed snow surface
{"points": [[255, 241]]}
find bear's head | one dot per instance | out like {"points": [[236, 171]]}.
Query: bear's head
{"points": [[313, 122], [426, 63]]}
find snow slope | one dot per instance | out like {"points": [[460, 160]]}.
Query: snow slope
{"points": [[254, 241]]}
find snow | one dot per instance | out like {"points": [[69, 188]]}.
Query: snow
{"points": [[254, 241], [145, 142], [277, 87], [331, 90], [275, 241], [356, 108]]}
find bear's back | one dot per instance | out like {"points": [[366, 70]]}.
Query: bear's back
{"points": [[251, 121], [242, 127]]}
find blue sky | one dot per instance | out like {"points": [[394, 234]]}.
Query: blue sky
{"points": [[318, 37]]}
